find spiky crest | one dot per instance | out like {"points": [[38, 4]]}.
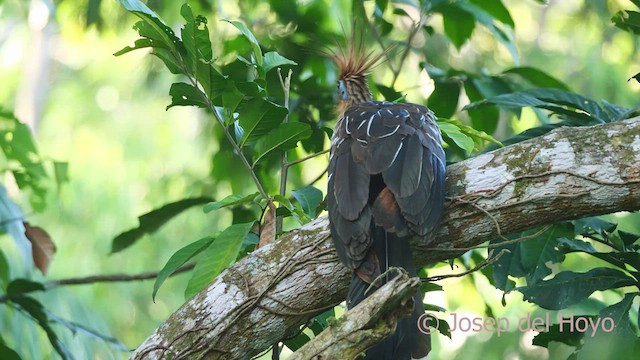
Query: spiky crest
{"points": [[354, 63], [352, 59]]}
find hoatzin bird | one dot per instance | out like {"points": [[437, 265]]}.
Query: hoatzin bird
{"points": [[386, 186]]}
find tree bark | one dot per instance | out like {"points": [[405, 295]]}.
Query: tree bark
{"points": [[365, 325], [567, 174]]}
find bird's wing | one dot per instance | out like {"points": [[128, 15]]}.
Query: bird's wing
{"points": [[387, 165]]}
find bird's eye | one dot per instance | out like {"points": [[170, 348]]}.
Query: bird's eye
{"points": [[342, 91]]}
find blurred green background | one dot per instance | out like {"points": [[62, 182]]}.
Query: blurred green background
{"points": [[106, 117]]}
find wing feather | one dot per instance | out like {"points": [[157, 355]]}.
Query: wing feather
{"points": [[351, 185], [403, 144]]}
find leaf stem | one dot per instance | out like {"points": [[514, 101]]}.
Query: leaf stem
{"points": [[286, 87], [227, 134]]}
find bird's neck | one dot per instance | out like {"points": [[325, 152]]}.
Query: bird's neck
{"points": [[358, 90]]}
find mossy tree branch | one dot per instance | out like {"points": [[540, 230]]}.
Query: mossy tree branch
{"points": [[567, 174]]}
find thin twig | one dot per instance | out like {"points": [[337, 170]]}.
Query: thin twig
{"points": [[284, 169], [601, 241], [417, 25], [480, 266], [98, 279], [113, 278], [302, 159], [317, 178], [495, 245], [194, 81]]}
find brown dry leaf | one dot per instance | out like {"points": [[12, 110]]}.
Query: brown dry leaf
{"points": [[268, 228], [43, 247]]}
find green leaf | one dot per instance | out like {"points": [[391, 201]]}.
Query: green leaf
{"points": [[458, 24], [195, 36], [321, 321], [272, 59], [37, 312], [155, 34], [151, 26], [594, 225], [616, 339], [93, 13], [617, 112], [231, 98], [426, 287], [221, 253], [485, 119], [8, 353], [21, 286], [389, 93], [471, 132], [628, 238], [452, 132], [294, 210], [568, 104], [618, 259], [443, 328], [153, 220], [17, 144], [231, 200], [178, 259], [186, 95], [490, 86], [505, 36], [515, 100], [309, 199], [211, 81], [257, 117], [61, 172], [138, 44], [248, 245], [170, 60], [297, 342], [508, 264], [561, 97], [537, 253], [564, 335], [5, 270], [283, 138], [568, 287], [137, 6], [381, 6], [534, 132], [496, 9], [627, 20], [444, 99], [251, 88], [537, 77], [257, 52]]}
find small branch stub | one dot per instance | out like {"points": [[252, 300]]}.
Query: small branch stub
{"points": [[365, 325]]}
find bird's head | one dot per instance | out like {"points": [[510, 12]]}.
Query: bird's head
{"points": [[354, 64]]}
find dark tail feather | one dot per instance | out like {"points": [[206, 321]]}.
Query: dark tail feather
{"points": [[357, 289], [407, 342]]}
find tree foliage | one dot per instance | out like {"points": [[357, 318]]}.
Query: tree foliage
{"points": [[267, 92]]}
